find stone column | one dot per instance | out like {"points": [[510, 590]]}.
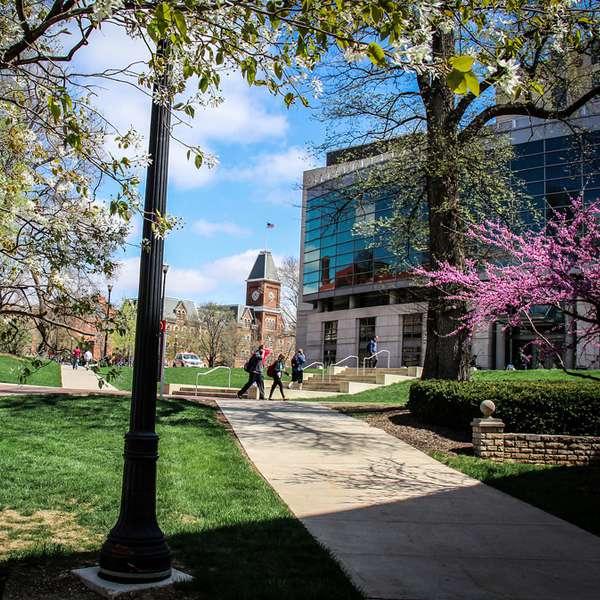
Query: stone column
{"points": [[488, 438]]}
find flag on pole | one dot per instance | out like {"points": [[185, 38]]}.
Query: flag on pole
{"points": [[270, 225]]}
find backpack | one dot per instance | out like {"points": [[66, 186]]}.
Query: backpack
{"points": [[271, 370], [294, 362], [249, 364]]}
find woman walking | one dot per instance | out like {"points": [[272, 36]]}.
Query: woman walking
{"points": [[277, 369]]}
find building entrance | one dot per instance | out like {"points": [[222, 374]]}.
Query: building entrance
{"points": [[366, 331]]}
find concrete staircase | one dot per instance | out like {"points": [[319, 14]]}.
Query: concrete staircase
{"points": [[348, 380], [336, 380]]}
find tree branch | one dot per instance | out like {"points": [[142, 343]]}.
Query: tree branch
{"points": [[527, 109]]}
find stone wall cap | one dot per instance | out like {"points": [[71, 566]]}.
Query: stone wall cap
{"points": [[487, 422]]}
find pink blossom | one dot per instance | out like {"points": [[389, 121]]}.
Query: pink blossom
{"points": [[558, 267]]}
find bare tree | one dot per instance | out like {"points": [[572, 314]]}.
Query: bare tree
{"points": [[214, 321], [289, 274]]}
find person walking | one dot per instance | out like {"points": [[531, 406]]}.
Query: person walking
{"points": [[276, 370], [298, 362], [372, 350], [75, 357], [254, 368], [87, 358]]}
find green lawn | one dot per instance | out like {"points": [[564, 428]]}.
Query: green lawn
{"points": [[61, 458], [571, 493], [532, 375], [395, 394], [186, 375], [12, 366]]}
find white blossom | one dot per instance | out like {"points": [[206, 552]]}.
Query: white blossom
{"points": [[510, 78], [317, 87]]}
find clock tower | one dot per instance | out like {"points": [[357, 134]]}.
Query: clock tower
{"points": [[263, 296]]}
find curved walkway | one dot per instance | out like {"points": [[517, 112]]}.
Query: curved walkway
{"points": [[403, 525], [81, 379]]}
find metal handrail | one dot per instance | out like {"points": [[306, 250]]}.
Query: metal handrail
{"points": [[210, 371], [316, 362], [339, 362], [366, 358]]}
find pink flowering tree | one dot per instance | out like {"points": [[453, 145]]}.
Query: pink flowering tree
{"points": [[558, 266]]}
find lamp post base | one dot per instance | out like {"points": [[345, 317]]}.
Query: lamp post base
{"points": [[136, 550], [90, 576]]}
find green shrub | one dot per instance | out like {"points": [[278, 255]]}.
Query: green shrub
{"points": [[569, 408]]}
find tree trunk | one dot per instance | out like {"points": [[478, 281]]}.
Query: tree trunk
{"points": [[447, 356]]}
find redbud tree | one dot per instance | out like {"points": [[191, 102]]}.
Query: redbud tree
{"points": [[558, 266]]}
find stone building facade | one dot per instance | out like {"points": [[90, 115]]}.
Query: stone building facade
{"points": [[258, 320]]}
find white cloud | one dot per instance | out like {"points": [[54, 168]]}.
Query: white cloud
{"points": [[272, 169], [245, 116], [242, 118], [182, 171], [211, 228], [223, 278]]}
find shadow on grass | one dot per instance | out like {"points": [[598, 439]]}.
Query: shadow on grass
{"points": [[275, 559], [269, 560], [571, 493]]}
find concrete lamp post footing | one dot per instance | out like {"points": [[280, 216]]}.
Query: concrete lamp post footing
{"points": [[111, 589]]}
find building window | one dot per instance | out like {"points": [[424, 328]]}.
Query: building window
{"points": [[412, 339], [366, 332], [329, 342]]}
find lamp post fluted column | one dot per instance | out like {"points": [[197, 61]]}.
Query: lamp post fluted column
{"points": [[136, 549]]}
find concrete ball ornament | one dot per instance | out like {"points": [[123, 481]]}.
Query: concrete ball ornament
{"points": [[487, 407]]}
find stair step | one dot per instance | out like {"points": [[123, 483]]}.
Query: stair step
{"points": [[207, 393]]}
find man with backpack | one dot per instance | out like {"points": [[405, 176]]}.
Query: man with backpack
{"points": [[254, 368], [372, 350], [298, 361]]}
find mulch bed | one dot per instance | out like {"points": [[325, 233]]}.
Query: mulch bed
{"points": [[52, 579], [424, 436]]}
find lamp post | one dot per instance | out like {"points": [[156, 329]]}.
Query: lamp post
{"points": [[163, 332], [110, 287], [135, 549]]}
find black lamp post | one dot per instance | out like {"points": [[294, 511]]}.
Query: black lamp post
{"points": [[110, 287], [136, 549], [163, 331]]}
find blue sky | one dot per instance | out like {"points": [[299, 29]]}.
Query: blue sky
{"points": [[262, 149]]}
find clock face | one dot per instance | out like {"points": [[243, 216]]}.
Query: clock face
{"points": [[255, 295]]}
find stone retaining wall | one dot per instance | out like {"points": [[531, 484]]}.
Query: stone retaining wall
{"points": [[490, 441]]}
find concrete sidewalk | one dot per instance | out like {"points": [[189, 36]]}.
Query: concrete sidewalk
{"points": [[403, 525], [81, 379]]}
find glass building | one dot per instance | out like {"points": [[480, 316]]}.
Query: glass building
{"points": [[351, 288]]}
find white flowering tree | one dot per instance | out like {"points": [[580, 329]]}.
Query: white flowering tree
{"points": [[57, 237], [56, 243], [444, 72], [273, 43]]}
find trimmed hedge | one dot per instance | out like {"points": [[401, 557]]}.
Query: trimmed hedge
{"points": [[567, 408]]}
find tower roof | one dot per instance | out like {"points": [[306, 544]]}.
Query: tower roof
{"points": [[264, 267]]}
